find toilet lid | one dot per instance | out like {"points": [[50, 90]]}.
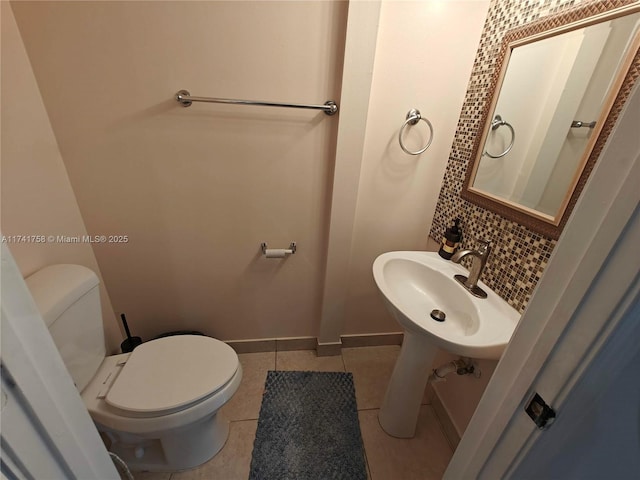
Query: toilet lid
{"points": [[172, 372]]}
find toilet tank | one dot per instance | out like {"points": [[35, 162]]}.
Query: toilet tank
{"points": [[68, 299]]}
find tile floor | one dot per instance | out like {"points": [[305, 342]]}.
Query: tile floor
{"points": [[424, 457]]}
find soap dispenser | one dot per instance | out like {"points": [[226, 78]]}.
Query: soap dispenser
{"points": [[451, 240]]}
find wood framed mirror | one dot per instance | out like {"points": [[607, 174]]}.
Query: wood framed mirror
{"points": [[559, 86]]}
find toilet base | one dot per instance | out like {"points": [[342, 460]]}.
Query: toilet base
{"points": [[178, 449]]}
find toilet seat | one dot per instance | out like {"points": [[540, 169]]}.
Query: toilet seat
{"points": [[169, 374]]}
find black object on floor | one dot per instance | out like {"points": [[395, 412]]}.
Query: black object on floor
{"points": [[131, 342], [308, 429], [179, 332]]}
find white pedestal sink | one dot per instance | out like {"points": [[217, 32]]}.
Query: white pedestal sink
{"points": [[413, 285]]}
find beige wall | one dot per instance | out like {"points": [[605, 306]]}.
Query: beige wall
{"points": [[197, 189], [421, 62], [37, 198]]}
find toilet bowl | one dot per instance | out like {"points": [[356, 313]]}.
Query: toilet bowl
{"points": [[158, 405]]}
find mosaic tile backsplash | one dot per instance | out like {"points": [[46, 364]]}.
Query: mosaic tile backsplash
{"points": [[519, 255]]}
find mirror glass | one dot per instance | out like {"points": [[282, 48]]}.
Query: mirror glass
{"points": [[552, 96]]}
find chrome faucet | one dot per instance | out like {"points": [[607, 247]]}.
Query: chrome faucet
{"points": [[477, 266]]}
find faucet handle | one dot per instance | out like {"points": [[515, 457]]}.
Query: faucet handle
{"points": [[484, 246], [477, 240]]}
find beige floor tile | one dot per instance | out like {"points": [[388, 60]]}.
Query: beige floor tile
{"points": [[245, 404], [233, 461], [371, 368], [308, 360], [424, 457]]}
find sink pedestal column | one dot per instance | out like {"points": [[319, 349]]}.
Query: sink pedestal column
{"points": [[399, 411]]}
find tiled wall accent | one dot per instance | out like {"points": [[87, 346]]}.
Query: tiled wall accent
{"points": [[519, 255]]}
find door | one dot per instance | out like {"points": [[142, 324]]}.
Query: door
{"points": [[46, 430]]}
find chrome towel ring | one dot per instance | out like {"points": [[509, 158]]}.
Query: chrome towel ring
{"points": [[413, 117], [495, 124]]}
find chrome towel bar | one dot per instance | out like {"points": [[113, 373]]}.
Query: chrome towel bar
{"points": [[185, 99], [579, 124]]}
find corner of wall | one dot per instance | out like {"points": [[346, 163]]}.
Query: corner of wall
{"points": [[362, 27], [37, 198]]}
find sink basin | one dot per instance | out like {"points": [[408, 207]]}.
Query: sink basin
{"points": [[415, 283], [436, 312]]}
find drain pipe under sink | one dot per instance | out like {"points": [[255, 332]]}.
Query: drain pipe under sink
{"points": [[461, 366]]}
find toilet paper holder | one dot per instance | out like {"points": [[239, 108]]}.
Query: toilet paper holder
{"points": [[278, 252]]}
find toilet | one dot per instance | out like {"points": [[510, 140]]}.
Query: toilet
{"points": [[157, 405]]}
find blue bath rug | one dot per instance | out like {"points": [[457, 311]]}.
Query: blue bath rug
{"points": [[308, 429]]}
